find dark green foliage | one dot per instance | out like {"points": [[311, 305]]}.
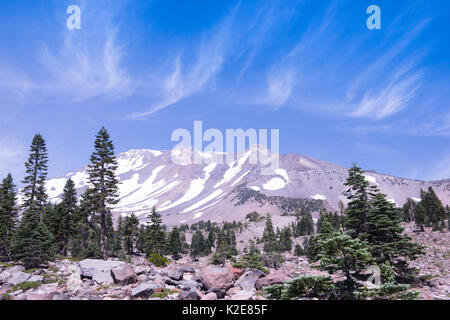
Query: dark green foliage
{"points": [[199, 246], [357, 210], [59, 219], [32, 243], [384, 234], [420, 216], [388, 290], [251, 260], [341, 252], [269, 237], [226, 244], [304, 224], [272, 260], [285, 242], [156, 237], [254, 217], [35, 197], [8, 216], [175, 244], [298, 250], [305, 286], [408, 210], [129, 233], [433, 206], [158, 260], [104, 183], [286, 205]]}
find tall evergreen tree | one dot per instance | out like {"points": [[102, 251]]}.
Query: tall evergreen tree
{"points": [[269, 237], [155, 242], [34, 193], [384, 235], [198, 245], [32, 243], [130, 232], [68, 209], [8, 216], [175, 245], [104, 182], [341, 252], [359, 192]]}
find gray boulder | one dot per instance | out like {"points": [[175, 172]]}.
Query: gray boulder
{"points": [[213, 277], [36, 278], [102, 277], [18, 277], [248, 280], [123, 275], [145, 290], [189, 295], [176, 274], [90, 266]]}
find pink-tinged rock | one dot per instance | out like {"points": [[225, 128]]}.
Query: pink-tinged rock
{"points": [[275, 277], [123, 275], [216, 278], [40, 295], [209, 296], [236, 271]]}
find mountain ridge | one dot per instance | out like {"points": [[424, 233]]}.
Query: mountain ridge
{"points": [[187, 192]]}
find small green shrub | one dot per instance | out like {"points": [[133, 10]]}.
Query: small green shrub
{"points": [[164, 293], [158, 260], [27, 285], [31, 270], [304, 286]]}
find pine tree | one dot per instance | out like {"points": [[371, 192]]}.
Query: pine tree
{"points": [[175, 244], [269, 237], [285, 240], [306, 224], [359, 192], [155, 242], [341, 252], [104, 182], [434, 209], [32, 243], [34, 194], [130, 232], [384, 235], [68, 209], [210, 240], [298, 250], [420, 216], [198, 245], [8, 216], [408, 210]]}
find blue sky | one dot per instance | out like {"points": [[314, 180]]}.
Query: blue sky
{"points": [[336, 90]]}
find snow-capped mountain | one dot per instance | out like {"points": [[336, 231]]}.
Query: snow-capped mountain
{"points": [[186, 193]]}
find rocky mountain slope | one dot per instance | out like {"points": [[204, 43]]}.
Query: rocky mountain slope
{"points": [[187, 193], [187, 279]]}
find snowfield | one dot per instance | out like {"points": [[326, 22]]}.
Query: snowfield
{"points": [[274, 184], [319, 197]]}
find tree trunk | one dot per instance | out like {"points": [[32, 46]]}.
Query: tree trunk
{"points": [[103, 234]]}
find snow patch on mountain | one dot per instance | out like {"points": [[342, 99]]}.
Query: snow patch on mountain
{"points": [[198, 215], [319, 197], [282, 173], [370, 179], [274, 184], [209, 198]]}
